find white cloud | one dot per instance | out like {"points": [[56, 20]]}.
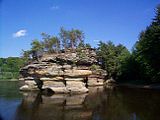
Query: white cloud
{"points": [[20, 33], [54, 7]]}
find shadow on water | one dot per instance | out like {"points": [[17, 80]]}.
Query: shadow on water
{"points": [[1, 117], [113, 103]]}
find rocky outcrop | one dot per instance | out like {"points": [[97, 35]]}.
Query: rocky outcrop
{"points": [[70, 72]]}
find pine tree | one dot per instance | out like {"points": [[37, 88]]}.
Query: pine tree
{"points": [[147, 49]]}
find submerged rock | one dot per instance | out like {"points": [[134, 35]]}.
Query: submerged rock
{"points": [[28, 88], [110, 81]]}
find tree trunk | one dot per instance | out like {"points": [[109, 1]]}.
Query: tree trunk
{"points": [[72, 45]]}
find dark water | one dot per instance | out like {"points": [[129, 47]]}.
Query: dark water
{"points": [[100, 104]]}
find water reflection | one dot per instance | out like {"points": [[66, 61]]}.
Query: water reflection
{"points": [[101, 103], [55, 107]]}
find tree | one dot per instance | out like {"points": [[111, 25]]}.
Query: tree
{"points": [[26, 55], [9, 67], [156, 20], [147, 49], [112, 58], [36, 49], [76, 36], [72, 37], [46, 42], [51, 43], [36, 45], [88, 45], [64, 35], [54, 44], [79, 36]]}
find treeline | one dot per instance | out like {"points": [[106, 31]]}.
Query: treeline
{"points": [[146, 53], [9, 67], [143, 64], [113, 58], [66, 39]]}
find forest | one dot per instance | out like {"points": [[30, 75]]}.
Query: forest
{"points": [[9, 67], [141, 65]]}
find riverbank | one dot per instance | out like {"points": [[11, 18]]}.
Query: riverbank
{"points": [[149, 86]]}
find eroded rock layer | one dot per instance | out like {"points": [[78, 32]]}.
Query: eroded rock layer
{"points": [[69, 72]]}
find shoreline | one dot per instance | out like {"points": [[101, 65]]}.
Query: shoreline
{"points": [[149, 87]]}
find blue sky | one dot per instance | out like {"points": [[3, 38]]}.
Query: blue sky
{"points": [[120, 21]]}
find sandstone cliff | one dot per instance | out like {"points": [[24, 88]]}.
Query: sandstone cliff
{"points": [[69, 72]]}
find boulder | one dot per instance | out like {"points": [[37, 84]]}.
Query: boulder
{"points": [[110, 81], [28, 88], [29, 85], [30, 82], [24, 87]]}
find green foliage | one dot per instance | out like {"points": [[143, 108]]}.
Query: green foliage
{"points": [[51, 43], [88, 45], [76, 36], [82, 55], [147, 50], [36, 49], [94, 67], [26, 55], [71, 38], [9, 67], [36, 45], [112, 58], [81, 45]]}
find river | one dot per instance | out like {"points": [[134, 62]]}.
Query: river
{"points": [[101, 103]]}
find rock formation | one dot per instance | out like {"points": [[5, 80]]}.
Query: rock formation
{"points": [[69, 72]]}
